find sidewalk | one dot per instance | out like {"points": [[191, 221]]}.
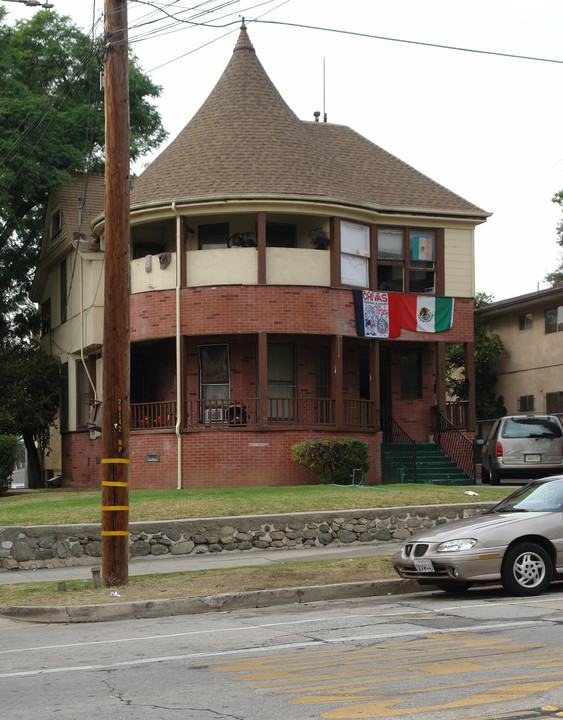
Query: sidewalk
{"points": [[214, 603], [152, 565]]}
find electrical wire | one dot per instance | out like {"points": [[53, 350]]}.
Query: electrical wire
{"points": [[410, 42]]}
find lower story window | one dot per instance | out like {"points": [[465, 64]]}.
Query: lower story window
{"points": [[281, 382], [411, 374], [525, 403], [214, 381], [554, 402]]}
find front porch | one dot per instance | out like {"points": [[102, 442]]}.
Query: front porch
{"points": [[238, 413]]}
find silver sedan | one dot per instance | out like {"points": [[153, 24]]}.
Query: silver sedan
{"points": [[519, 542]]}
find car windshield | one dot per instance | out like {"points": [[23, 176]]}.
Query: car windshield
{"points": [[527, 427], [534, 497]]}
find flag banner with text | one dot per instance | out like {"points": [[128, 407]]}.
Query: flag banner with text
{"points": [[378, 314], [383, 314]]}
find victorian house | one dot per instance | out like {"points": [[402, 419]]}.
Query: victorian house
{"points": [[290, 280]]}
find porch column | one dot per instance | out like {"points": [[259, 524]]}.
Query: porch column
{"points": [[263, 378], [441, 376], [335, 246], [261, 244], [374, 385], [337, 367], [469, 349]]}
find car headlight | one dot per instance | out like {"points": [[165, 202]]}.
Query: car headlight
{"points": [[456, 545]]}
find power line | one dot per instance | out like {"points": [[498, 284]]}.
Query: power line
{"points": [[409, 42]]}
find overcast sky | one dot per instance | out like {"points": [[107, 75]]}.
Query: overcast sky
{"points": [[487, 127]]}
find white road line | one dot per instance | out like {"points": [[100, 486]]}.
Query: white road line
{"points": [[265, 649], [286, 623]]}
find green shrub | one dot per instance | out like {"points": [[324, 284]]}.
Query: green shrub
{"points": [[8, 457], [332, 460]]}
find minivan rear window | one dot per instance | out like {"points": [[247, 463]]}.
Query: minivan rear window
{"points": [[526, 427]]}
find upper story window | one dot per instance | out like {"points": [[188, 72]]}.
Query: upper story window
{"points": [[46, 317], [282, 235], [554, 320], [55, 224], [525, 321], [525, 403], [421, 262], [406, 260], [354, 253], [213, 236], [63, 292], [390, 260]]}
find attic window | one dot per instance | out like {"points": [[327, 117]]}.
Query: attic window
{"points": [[55, 223]]}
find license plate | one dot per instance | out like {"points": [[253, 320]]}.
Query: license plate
{"points": [[424, 565], [532, 458]]}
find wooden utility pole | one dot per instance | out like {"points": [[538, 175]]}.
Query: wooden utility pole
{"points": [[116, 353]]}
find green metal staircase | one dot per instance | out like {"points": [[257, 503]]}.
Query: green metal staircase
{"points": [[432, 466]]}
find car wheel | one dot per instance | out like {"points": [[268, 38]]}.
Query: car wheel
{"points": [[494, 476], [451, 586], [485, 476], [526, 570]]}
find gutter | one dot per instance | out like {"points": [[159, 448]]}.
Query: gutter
{"points": [[179, 412]]}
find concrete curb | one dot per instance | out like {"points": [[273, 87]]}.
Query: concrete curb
{"points": [[212, 603]]}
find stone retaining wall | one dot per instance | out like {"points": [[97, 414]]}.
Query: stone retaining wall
{"points": [[47, 546]]}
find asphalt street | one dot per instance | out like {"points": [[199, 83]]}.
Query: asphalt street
{"points": [[426, 656]]}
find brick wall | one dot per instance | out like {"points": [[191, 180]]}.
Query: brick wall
{"points": [[268, 308], [210, 458]]}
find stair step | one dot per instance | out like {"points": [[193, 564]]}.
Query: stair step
{"points": [[433, 466]]}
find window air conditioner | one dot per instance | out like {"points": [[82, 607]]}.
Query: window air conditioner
{"points": [[213, 415]]}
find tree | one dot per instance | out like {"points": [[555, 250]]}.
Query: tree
{"points": [[29, 400], [488, 349], [8, 457], [557, 274], [51, 124]]}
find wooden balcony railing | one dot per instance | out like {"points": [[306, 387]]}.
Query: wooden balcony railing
{"points": [[245, 412], [153, 415], [456, 412]]}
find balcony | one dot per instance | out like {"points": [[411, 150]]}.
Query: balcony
{"points": [[245, 413]]}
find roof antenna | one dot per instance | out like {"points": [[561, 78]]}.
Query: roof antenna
{"points": [[324, 90]]}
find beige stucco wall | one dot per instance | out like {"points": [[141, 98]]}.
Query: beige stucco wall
{"points": [[534, 365], [297, 266], [459, 262], [224, 266], [156, 279]]}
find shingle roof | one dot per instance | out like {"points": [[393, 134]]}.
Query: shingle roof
{"points": [[245, 141], [92, 194]]}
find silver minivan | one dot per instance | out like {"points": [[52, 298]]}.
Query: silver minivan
{"points": [[523, 445]]}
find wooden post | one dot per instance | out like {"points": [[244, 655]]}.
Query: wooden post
{"points": [[337, 364], [261, 247], [471, 420], [263, 379], [116, 352]]}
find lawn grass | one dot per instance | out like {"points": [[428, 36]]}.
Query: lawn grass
{"points": [[62, 507], [200, 583]]}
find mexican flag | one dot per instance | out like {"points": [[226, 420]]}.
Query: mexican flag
{"points": [[427, 314]]}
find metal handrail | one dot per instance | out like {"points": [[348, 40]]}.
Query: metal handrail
{"points": [[401, 446], [453, 443]]}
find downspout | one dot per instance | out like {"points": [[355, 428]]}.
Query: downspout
{"points": [[179, 408]]}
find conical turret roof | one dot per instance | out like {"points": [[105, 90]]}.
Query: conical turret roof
{"points": [[245, 141]]}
